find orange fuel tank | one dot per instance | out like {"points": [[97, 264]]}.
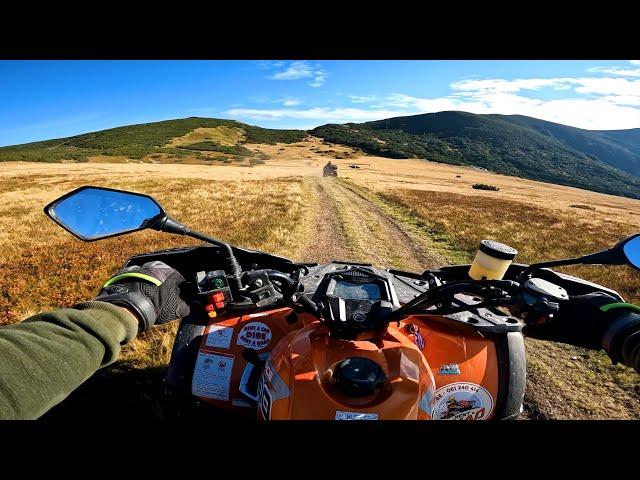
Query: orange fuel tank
{"points": [[454, 375]]}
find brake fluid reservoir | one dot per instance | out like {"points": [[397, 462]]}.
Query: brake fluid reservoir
{"points": [[492, 260]]}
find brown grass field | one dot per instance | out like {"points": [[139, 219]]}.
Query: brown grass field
{"points": [[419, 214]]}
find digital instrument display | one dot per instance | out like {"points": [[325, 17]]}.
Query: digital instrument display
{"points": [[357, 291]]}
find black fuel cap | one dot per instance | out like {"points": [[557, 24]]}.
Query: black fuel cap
{"points": [[358, 376]]}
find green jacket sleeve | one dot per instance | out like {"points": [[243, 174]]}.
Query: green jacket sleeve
{"points": [[44, 358]]}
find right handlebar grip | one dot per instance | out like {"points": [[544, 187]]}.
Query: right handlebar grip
{"points": [[621, 339]]}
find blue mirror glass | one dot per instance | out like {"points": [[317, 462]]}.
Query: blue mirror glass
{"points": [[94, 213], [631, 250]]}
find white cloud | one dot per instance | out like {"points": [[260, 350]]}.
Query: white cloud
{"points": [[593, 103], [623, 99], [291, 102], [634, 62], [299, 70], [361, 98], [319, 79], [607, 98], [617, 71], [295, 71], [509, 86], [339, 115]]}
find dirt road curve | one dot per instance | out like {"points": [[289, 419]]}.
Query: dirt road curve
{"points": [[350, 227]]}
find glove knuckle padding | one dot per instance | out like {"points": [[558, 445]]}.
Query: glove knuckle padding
{"points": [[154, 303]]}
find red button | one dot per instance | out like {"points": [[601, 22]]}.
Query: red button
{"points": [[219, 304], [208, 308], [218, 297]]}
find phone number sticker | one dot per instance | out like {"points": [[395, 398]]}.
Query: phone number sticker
{"points": [[461, 401]]}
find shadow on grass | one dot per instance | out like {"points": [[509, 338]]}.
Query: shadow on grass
{"points": [[122, 393]]}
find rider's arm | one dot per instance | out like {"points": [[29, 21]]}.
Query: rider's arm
{"points": [[44, 358], [597, 321], [47, 356]]}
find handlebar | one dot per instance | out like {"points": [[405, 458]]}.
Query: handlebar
{"points": [[292, 293]]}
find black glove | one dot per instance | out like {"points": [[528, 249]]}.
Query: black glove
{"points": [[596, 321], [151, 290]]}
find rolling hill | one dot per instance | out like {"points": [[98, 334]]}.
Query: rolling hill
{"points": [[603, 161], [171, 138], [617, 148]]}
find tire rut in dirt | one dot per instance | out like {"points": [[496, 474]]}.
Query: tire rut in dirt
{"points": [[328, 241], [371, 236]]}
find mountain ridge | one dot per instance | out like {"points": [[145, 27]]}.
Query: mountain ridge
{"points": [[606, 161], [513, 145]]}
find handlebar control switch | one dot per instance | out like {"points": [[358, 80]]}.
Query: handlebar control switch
{"points": [[213, 286], [551, 291], [540, 300]]}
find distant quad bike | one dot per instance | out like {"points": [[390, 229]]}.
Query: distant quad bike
{"points": [[330, 170], [276, 339]]}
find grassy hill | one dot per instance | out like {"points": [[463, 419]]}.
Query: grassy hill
{"points": [[603, 161], [617, 148], [138, 141], [526, 147]]}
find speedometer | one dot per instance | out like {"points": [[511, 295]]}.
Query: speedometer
{"points": [[356, 291]]}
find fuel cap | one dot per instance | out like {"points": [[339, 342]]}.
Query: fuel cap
{"points": [[358, 376]]}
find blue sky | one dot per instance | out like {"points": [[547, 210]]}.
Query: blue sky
{"points": [[50, 99]]}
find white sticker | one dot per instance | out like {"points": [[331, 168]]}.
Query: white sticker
{"points": [[264, 399], [212, 376], [461, 401], [340, 415], [449, 369], [219, 336], [246, 377], [254, 335]]}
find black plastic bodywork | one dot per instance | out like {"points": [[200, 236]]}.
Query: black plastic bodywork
{"points": [[573, 285], [492, 323], [189, 260]]}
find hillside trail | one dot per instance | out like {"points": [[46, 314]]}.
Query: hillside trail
{"points": [[349, 227]]}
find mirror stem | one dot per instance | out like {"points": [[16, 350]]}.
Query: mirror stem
{"points": [[554, 263], [170, 225], [604, 257]]}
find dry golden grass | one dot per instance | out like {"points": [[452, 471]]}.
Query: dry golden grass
{"points": [[223, 135], [564, 381], [44, 267], [537, 233]]}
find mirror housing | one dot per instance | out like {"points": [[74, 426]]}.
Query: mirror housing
{"points": [[629, 249], [93, 213]]}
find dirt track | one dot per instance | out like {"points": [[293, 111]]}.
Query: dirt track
{"points": [[350, 227]]}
